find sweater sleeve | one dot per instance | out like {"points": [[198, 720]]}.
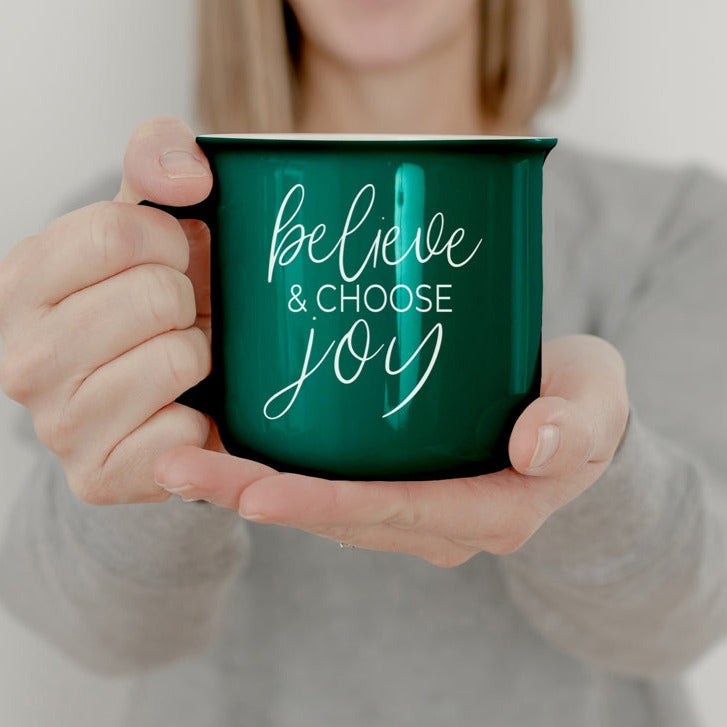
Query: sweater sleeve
{"points": [[118, 588], [632, 575]]}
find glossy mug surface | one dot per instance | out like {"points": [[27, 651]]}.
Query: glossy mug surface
{"points": [[376, 301]]}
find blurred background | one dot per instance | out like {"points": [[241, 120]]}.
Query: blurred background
{"points": [[76, 78]]}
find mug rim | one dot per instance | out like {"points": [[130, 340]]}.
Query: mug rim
{"points": [[538, 142]]}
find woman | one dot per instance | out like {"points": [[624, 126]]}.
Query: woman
{"points": [[599, 573]]}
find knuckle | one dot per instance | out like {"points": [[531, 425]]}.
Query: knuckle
{"points": [[12, 382], [203, 352], [90, 488], [170, 242], [162, 237], [21, 372], [56, 429], [193, 427], [186, 307], [168, 297], [115, 234], [187, 358]]}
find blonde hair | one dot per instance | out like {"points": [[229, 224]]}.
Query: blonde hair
{"points": [[246, 79]]}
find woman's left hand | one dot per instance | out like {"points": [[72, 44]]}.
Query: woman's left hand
{"points": [[559, 447]]}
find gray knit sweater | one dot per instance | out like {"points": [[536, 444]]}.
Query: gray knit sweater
{"points": [[228, 623]]}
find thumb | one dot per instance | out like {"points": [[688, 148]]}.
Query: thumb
{"points": [[163, 164], [581, 414]]}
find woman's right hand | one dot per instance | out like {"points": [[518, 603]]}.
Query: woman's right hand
{"points": [[102, 318]]}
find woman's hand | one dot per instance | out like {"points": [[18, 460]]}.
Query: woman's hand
{"points": [[100, 326], [559, 447]]}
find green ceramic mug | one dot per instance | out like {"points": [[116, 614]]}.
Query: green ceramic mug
{"points": [[376, 301]]}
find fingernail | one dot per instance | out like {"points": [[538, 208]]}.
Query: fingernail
{"points": [[251, 515], [182, 165], [175, 489], [548, 441], [249, 512]]}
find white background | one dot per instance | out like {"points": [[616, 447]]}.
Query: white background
{"points": [[77, 76]]}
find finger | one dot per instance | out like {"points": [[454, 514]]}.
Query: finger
{"points": [[232, 476], [205, 475], [581, 414], [223, 479], [492, 512], [101, 322], [127, 474], [495, 513], [554, 438], [121, 395], [164, 164], [87, 246]]}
